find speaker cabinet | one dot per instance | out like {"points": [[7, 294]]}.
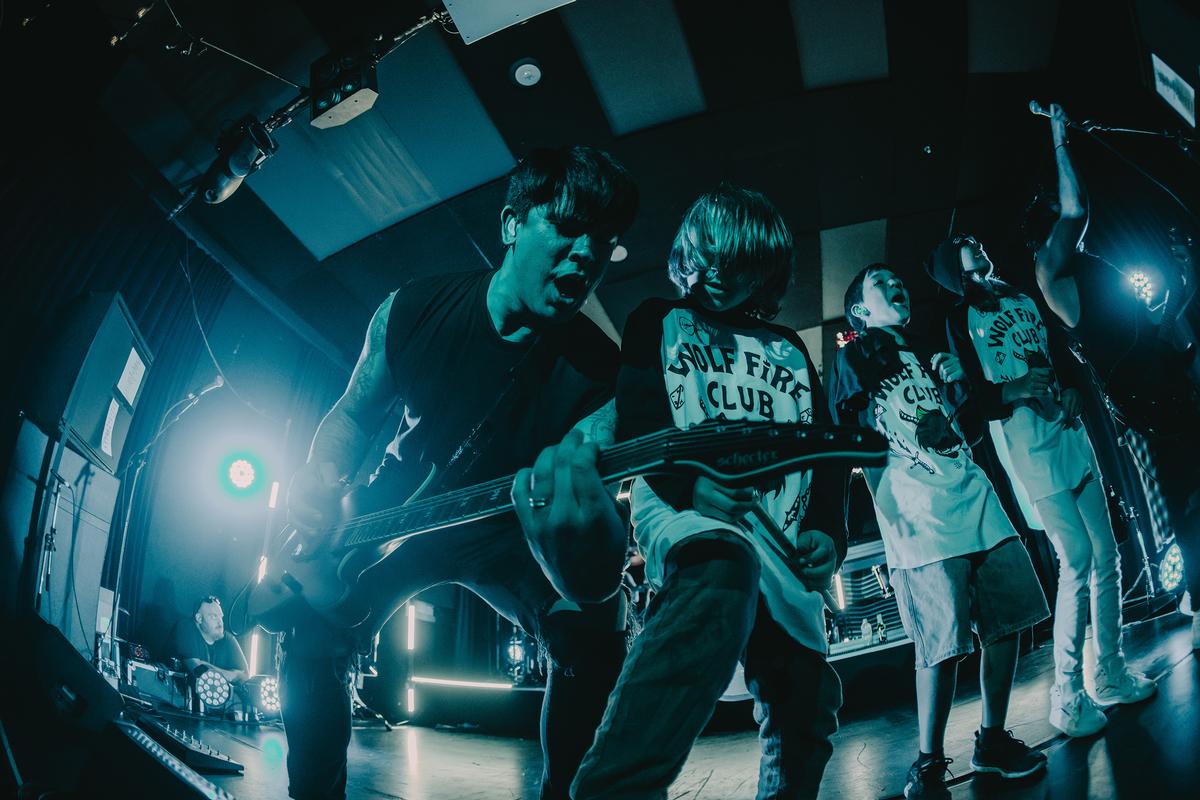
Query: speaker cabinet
{"points": [[91, 376]]}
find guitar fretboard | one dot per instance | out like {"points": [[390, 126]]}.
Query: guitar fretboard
{"points": [[769, 447]]}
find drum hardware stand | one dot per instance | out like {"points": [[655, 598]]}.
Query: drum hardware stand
{"points": [[1130, 515]]}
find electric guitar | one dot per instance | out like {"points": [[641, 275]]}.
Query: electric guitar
{"points": [[732, 453]]}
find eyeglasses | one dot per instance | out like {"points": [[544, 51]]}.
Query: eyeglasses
{"points": [[211, 599]]}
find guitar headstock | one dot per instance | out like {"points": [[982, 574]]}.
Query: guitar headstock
{"points": [[742, 453]]}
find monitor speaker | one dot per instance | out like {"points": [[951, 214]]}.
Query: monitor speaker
{"points": [[90, 376], [66, 729]]}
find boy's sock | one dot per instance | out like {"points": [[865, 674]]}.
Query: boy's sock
{"points": [[989, 736], [924, 758]]}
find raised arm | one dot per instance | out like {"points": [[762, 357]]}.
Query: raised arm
{"points": [[342, 438], [1055, 255]]}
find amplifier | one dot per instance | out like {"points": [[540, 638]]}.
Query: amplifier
{"points": [[154, 682]]}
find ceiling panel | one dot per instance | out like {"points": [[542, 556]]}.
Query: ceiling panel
{"points": [[1013, 36], [637, 58], [845, 251], [743, 53], [843, 42], [561, 108]]}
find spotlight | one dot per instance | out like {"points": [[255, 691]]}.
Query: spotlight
{"points": [[515, 651], [213, 689], [240, 474], [1143, 287], [1170, 569], [264, 693], [240, 152], [344, 85]]}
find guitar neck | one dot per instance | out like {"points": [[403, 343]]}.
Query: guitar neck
{"points": [[489, 499], [735, 453]]}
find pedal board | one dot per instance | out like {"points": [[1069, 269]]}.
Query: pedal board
{"points": [[187, 748]]}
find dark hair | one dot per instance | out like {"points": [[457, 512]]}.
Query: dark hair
{"points": [[212, 598], [578, 185], [732, 229], [1038, 218], [854, 294]]}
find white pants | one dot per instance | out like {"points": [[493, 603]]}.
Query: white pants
{"points": [[1078, 526]]}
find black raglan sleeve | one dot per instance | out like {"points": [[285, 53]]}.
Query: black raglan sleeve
{"points": [[827, 506], [643, 405], [987, 397]]}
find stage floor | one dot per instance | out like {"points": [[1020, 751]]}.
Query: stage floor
{"points": [[1147, 751]]}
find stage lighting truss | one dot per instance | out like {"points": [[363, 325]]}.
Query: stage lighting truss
{"points": [[1170, 569], [213, 689]]}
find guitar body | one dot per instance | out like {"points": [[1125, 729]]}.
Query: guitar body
{"points": [[328, 581]]}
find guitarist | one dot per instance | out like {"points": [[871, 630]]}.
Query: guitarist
{"points": [[724, 594], [493, 367], [1144, 378]]}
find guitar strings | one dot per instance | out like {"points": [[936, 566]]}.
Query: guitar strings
{"points": [[610, 458], [617, 459]]}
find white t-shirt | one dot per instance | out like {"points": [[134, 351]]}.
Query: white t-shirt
{"points": [[711, 371], [1050, 453], [932, 501]]}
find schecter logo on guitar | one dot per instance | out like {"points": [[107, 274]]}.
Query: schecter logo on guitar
{"points": [[759, 458]]}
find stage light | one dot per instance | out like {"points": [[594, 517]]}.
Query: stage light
{"points": [[241, 474], [274, 500], [515, 651], [839, 590], [411, 701], [1143, 287], [464, 684], [411, 618], [1170, 569], [267, 698], [213, 689]]}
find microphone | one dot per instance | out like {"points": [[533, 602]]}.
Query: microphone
{"points": [[216, 383], [1087, 125]]}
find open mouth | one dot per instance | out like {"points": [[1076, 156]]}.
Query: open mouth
{"points": [[900, 299], [571, 286]]}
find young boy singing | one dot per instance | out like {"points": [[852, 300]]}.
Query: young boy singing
{"points": [[954, 559]]}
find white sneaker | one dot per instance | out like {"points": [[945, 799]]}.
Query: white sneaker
{"points": [[1128, 687], [1077, 716]]}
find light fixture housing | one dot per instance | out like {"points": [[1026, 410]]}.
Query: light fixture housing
{"points": [[526, 72], [1170, 568]]}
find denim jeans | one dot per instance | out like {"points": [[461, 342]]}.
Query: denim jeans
{"points": [[1089, 565], [706, 617]]}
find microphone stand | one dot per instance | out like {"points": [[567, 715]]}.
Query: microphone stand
{"points": [[142, 457]]}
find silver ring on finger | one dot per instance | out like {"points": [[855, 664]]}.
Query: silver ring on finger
{"points": [[539, 502]]}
